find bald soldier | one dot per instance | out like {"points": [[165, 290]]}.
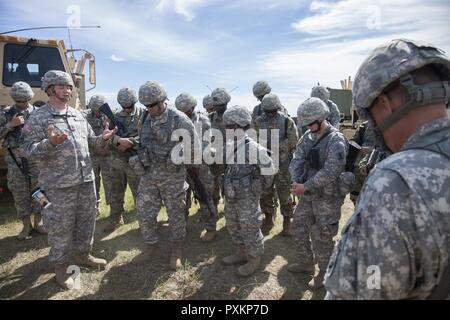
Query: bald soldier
{"points": [[396, 245]]}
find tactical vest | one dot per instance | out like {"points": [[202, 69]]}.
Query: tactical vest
{"points": [[280, 123], [157, 140], [15, 137], [129, 122]]}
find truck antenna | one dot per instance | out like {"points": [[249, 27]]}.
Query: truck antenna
{"points": [[38, 28]]}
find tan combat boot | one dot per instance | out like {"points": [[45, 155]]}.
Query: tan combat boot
{"points": [[239, 257], [267, 223], [62, 277], [286, 227], [116, 222], [317, 281], [250, 267], [37, 224], [86, 260], [209, 236], [26, 230], [145, 255], [175, 256], [301, 268]]}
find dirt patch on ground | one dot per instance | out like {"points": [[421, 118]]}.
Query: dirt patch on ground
{"points": [[25, 272]]}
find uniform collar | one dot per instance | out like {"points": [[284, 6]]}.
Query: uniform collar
{"points": [[428, 134], [162, 118]]}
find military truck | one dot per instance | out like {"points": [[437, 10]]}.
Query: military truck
{"points": [[28, 59]]}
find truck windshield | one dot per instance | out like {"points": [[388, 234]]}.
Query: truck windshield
{"points": [[29, 63]]}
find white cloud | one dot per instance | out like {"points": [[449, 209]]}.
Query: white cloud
{"points": [[133, 31], [184, 8], [116, 58], [336, 39]]}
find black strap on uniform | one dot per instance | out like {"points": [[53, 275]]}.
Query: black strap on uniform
{"points": [[21, 168], [322, 137], [286, 123], [419, 95]]}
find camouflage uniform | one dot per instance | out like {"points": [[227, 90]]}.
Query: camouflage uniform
{"points": [[164, 181], [220, 98], [400, 231], [207, 104], [260, 89], [65, 173], [19, 185], [100, 157], [121, 173], [287, 141], [243, 184], [318, 212], [323, 94], [186, 103], [363, 136]]}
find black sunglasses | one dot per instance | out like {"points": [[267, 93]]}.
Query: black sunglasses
{"points": [[152, 105]]}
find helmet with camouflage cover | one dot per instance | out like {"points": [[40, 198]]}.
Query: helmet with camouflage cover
{"points": [[207, 102], [56, 77], [320, 92], [151, 92], [271, 102], [21, 92], [311, 110], [261, 88], [96, 102], [185, 102], [220, 97], [237, 115], [126, 97], [392, 62]]}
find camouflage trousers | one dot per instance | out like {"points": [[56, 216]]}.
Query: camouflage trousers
{"points": [[280, 188], [243, 218], [217, 172], [21, 187], [121, 174], [209, 220], [162, 185], [70, 220], [102, 166], [314, 226]]}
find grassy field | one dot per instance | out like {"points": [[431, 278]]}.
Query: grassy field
{"points": [[25, 272]]}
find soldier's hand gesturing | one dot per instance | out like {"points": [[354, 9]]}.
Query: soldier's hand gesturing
{"points": [[56, 138], [108, 134], [17, 121], [124, 144]]}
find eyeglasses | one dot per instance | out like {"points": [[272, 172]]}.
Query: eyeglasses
{"points": [[313, 123], [271, 111], [152, 105], [129, 107]]}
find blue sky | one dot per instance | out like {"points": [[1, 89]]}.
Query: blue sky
{"points": [[189, 45]]}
